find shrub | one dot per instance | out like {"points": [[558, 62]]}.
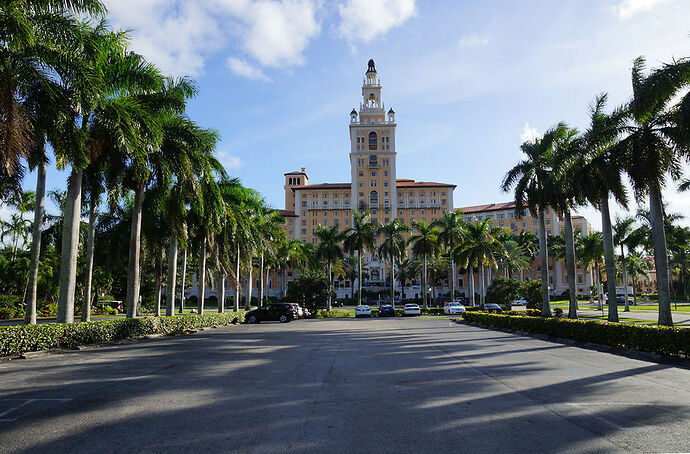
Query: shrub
{"points": [[335, 314], [11, 307], [652, 339], [531, 291], [15, 340], [557, 312], [503, 291]]}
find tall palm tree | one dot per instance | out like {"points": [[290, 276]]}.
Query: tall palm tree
{"points": [[405, 273], [393, 248], [424, 242], [653, 150], [598, 177], [360, 238], [533, 182], [478, 250], [622, 229], [351, 271], [530, 243], [328, 250], [269, 231], [451, 230]]}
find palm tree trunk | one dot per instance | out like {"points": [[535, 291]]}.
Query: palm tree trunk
{"points": [[182, 283], [452, 276], [88, 271], [625, 280], [236, 305], [248, 301], [159, 281], [330, 287], [30, 313], [283, 279], [660, 255], [392, 281], [544, 256], [481, 287], [133, 276], [424, 299], [609, 258], [634, 290], [172, 277], [359, 277], [70, 248], [570, 265], [600, 292], [221, 292], [471, 284], [261, 279], [201, 277]]}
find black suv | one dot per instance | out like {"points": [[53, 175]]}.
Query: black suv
{"points": [[279, 312]]}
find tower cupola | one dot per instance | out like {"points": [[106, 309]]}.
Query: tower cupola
{"points": [[353, 116], [391, 115]]}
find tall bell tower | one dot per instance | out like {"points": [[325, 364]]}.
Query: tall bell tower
{"points": [[372, 151]]}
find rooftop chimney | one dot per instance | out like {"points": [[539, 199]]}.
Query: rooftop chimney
{"points": [[304, 170]]}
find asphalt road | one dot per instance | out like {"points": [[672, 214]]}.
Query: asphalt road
{"points": [[343, 386]]}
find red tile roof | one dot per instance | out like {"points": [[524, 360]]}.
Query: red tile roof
{"points": [[295, 173], [487, 207], [324, 186], [407, 183], [287, 214]]}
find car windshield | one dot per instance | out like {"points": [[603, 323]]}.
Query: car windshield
{"points": [[453, 304], [412, 306]]}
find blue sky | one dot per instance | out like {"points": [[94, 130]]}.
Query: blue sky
{"points": [[468, 80]]}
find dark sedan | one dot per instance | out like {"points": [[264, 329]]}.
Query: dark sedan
{"points": [[280, 312], [491, 307], [386, 311]]}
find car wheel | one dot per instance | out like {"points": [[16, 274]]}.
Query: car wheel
{"points": [[253, 319], [284, 319]]}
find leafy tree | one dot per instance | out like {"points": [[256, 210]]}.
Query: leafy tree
{"points": [[451, 231], [622, 231], [503, 291], [311, 289]]}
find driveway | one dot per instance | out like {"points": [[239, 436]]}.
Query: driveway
{"points": [[343, 386]]}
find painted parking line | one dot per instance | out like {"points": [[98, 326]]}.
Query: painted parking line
{"points": [[22, 403]]}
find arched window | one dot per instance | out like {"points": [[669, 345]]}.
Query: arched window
{"points": [[373, 141], [373, 199]]}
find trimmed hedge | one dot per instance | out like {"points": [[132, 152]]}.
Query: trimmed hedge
{"points": [[15, 340], [651, 339]]}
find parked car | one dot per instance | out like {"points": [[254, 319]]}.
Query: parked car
{"points": [[363, 311], [387, 311], [453, 309], [411, 309], [520, 302], [280, 312], [491, 307], [300, 311]]}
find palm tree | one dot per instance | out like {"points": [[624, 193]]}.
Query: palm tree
{"points": [[393, 248], [451, 227], [328, 250], [360, 238], [287, 254], [478, 250], [656, 141], [533, 179], [622, 230], [637, 266], [351, 271], [424, 242], [513, 258], [598, 177], [268, 227], [590, 255], [405, 273]]}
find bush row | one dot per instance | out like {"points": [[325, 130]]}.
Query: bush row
{"points": [[652, 339], [15, 340]]}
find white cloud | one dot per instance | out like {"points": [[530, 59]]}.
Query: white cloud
{"points": [[627, 8], [179, 36], [363, 20], [244, 69], [529, 134], [473, 41], [228, 160]]}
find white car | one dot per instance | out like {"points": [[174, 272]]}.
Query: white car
{"points": [[300, 311], [453, 309], [411, 309], [520, 302], [363, 311]]}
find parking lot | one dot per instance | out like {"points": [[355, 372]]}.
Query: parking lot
{"points": [[343, 385]]}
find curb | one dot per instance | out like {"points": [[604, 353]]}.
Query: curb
{"points": [[633, 354]]}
